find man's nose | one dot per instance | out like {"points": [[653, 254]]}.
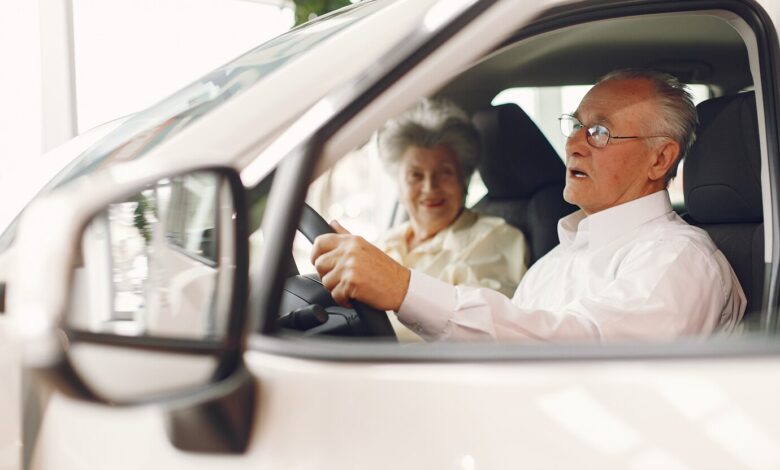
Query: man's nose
{"points": [[577, 144]]}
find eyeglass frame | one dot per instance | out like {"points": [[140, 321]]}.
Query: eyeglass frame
{"points": [[589, 135]]}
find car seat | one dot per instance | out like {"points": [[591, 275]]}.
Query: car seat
{"points": [[722, 184], [524, 176]]}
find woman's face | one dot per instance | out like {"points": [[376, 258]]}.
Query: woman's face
{"points": [[431, 188]]}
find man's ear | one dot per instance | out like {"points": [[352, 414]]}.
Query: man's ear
{"points": [[665, 156]]}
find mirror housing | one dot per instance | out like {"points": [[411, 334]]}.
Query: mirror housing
{"points": [[154, 307]]}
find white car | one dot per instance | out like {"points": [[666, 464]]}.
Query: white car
{"points": [[163, 322]]}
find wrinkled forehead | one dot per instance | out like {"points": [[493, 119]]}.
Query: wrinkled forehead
{"points": [[618, 100], [429, 157]]}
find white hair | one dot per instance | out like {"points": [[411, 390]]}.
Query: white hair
{"points": [[432, 122], [678, 113]]}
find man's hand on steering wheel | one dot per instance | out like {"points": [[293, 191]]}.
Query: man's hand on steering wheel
{"points": [[352, 268]]}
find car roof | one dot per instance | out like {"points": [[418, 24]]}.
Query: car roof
{"points": [[698, 48]]}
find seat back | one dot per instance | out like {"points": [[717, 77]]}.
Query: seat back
{"points": [[523, 174], [722, 182]]}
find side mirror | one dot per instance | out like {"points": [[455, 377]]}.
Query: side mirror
{"points": [[157, 295]]}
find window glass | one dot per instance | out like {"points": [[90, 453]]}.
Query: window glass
{"points": [[544, 105], [192, 216], [209, 35], [145, 130], [351, 192], [360, 193], [153, 126]]}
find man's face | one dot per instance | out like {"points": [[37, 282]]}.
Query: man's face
{"points": [[600, 178]]}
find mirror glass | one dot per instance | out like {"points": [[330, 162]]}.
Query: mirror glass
{"points": [[159, 263]]}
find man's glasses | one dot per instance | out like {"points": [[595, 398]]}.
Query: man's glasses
{"points": [[597, 135]]}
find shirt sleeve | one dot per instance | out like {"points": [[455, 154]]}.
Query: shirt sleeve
{"points": [[438, 311], [682, 292]]}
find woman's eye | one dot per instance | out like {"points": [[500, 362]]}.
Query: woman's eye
{"points": [[447, 172]]}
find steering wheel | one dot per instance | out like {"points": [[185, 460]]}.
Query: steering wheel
{"points": [[373, 322]]}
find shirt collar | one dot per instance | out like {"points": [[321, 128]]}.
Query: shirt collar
{"points": [[604, 226], [442, 240]]}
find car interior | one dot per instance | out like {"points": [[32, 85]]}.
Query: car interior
{"points": [[524, 175], [723, 189]]}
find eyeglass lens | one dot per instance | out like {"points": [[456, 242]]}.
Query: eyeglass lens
{"points": [[597, 135]]}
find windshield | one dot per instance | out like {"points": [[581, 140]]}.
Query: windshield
{"points": [[150, 127]]}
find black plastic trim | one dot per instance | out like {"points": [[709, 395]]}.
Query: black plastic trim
{"points": [[177, 345], [219, 425]]}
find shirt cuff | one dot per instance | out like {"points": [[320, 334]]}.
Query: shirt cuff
{"points": [[429, 305]]}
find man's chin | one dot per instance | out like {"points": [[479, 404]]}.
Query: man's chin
{"points": [[570, 196]]}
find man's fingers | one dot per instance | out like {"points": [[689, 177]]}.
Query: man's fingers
{"points": [[324, 244], [337, 287], [326, 262], [338, 228]]}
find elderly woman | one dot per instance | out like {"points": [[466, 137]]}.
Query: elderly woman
{"points": [[433, 151]]}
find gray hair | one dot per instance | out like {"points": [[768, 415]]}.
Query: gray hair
{"points": [[432, 122], [678, 113]]}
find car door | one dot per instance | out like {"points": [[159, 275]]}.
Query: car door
{"points": [[634, 405], [334, 403]]}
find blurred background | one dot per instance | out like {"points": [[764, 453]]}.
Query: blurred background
{"points": [[71, 65]]}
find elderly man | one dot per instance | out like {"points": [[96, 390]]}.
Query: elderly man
{"points": [[627, 267]]}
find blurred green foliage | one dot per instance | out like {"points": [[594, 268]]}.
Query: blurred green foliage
{"points": [[143, 210], [306, 10]]}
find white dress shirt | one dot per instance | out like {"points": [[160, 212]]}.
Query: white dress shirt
{"points": [[633, 271]]}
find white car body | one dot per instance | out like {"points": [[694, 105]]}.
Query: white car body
{"points": [[636, 406]]}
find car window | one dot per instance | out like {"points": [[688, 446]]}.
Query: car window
{"points": [[360, 193], [356, 189]]}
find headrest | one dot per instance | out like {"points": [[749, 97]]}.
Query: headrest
{"points": [[722, 178], [517, 159]]}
